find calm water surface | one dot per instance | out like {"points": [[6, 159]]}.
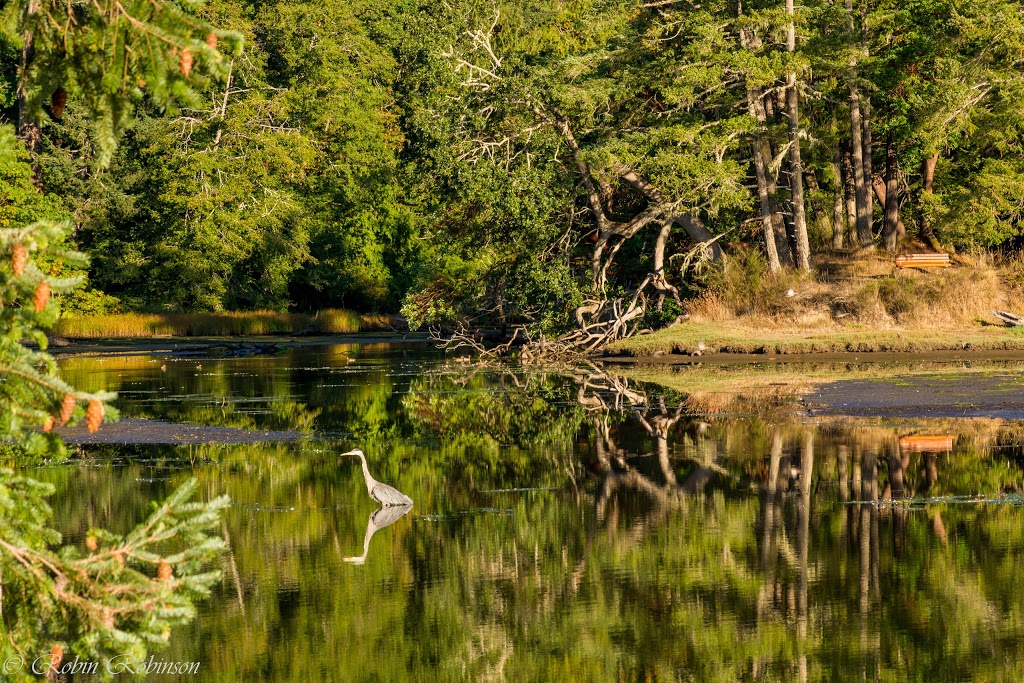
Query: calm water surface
{"points": [[565, 527]]}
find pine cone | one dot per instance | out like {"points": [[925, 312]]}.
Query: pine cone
{"points": [[48, 424], [211, 41], [19, 259], [185, 62], [67, 408], [91, 543], [57, 102], [94, 416], [164, 571], [56, 657], [42, 296]]}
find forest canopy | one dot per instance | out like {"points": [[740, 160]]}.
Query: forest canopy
{"points": [[506, 162]]}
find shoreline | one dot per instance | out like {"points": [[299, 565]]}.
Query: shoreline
{"points": [[232, 345], [816, 357], [761, 338]]}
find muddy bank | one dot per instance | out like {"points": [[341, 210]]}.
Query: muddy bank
{"points": [[135, 431], [992, 395]]}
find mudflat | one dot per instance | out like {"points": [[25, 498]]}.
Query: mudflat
{"points": [[138, 431], [991, 394]]}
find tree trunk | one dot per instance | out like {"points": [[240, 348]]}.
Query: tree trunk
{"points": [[838, 212], [764, 201], [860, 179], [893, 226], [850, 189], [869, 174], [796, 182], [774, 227], [696, 231], [660, 244], [927, 185], [782, 222], [838, 221], [857, 159], [661, 283], [762, 159]]}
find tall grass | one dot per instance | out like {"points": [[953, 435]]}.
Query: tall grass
{"points": [[225, 324]]}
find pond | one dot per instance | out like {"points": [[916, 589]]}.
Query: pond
{"points": [[567, 526]]}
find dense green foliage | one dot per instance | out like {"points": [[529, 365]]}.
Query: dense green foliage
{"points": [[500, 161], [120, 595]]}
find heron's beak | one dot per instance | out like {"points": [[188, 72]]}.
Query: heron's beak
{"points": [[350, 453]]}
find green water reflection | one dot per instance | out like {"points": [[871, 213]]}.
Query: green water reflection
{"points": [[567, 528]]}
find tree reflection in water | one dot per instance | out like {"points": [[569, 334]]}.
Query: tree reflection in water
{"points": [[575, 525]]}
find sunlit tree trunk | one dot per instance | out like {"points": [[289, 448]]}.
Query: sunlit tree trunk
{"points": [[850, 191], [774, 229], [927, 185], [860, 179], [796, 181], [893, 226], [764, 203], [857, 162], [762, 155], [869, 173]]}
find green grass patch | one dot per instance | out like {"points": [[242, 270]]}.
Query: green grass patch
{"points": [[223, 324]]}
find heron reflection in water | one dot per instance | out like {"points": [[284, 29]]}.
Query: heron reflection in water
{"points": [[379, 518], [395, 506]]}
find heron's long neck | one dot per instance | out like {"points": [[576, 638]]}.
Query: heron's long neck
{"points": [[370, 481]]}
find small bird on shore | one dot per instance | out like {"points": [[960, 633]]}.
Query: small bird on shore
{"points": [[382, 493]]}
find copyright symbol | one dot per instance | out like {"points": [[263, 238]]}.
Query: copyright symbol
{"points": [[13, 664]]}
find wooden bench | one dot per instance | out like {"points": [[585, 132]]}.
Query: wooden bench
{"points": [[923, 261]]}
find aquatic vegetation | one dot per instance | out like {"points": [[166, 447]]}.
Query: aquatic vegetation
{"points": [[222, 324]]}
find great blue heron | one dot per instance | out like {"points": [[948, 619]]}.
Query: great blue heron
{"points": [[379, 518], [382, 493]]}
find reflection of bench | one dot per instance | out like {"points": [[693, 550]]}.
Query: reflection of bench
{"points": [[923, 261], [920, 443]]}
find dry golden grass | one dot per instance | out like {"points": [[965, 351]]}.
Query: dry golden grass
{"points": [[224, 324], [849, 303]]}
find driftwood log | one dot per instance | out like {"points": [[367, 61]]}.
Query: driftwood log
{"points": [[599, 323], [1009, 318]]}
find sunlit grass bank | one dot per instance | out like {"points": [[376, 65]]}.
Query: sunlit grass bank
{"points": [[226, 324], [738, 336], [849, 304]]}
